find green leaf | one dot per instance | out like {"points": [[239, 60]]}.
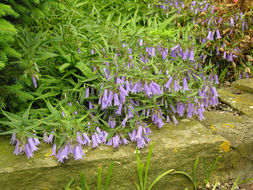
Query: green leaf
{"points": [[108, 177], [46, 55], [159, 177], [27, 112], [84, 69], [187, 175], [84, 185], [99, 177], [212, 168], [2, 64], [48, 94], [63, 67], [10, 132], [147, 165], [68, 185], [195, 171]]}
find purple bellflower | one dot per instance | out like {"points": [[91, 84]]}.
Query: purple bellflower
{"points": [[185, 86], [167, 85], [176, 86], [78, 152], [28, 151], [34, 82], [191, 58], [218, 36]]}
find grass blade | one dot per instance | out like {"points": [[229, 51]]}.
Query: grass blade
{"points": [[139, 170], [235, 183], [99, 177], [108, 176], [205, 170], [215, 185], [213, 166], [195, 171], [84, 185], [244, 181], [68, 185], [187, 175], [147, 165], [159, 177]]}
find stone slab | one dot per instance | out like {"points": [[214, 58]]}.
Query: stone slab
{"points": [[176, 147], [244, 84], [239, 100], [238, 130]]}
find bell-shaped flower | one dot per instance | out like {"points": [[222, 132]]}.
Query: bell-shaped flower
{"points": [[167, 85], [86, 139], [53, 150], [87, 93], [160, 123], [18, 150], [116, 141], [79, 139], [190, 110], [186, 54], [191, 58], [172, 108], [13, 139], [185, 86], [141, 143], [78, 152], [173, 54], [152, 51], [132, 135], [168, 119], [232, 22], [213, 89], [218, 36], [28, 151], [175, 48], [118, 111], [157, 87], [123, 91], [147, 90], [34, 82], [94, 141], [165, 54], [216, 79], [32, 145], [224, 55], [116, 99], [176, 86], [109, 99], [124, 141], [140, 42], [174, 120], [139, 133], [210, 35], [217, 50], [230, 57], [130, 110]]}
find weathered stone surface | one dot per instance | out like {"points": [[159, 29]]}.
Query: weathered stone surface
{"points": [[175, 147], [239, 100], [238, 130], [244, 84]]}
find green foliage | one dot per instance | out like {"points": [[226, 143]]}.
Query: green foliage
{"points": [[21, 125], [29, 9], [84, 185], [55, 65], [7, 33], [207, 171], [143, 177], [14, 15]]}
